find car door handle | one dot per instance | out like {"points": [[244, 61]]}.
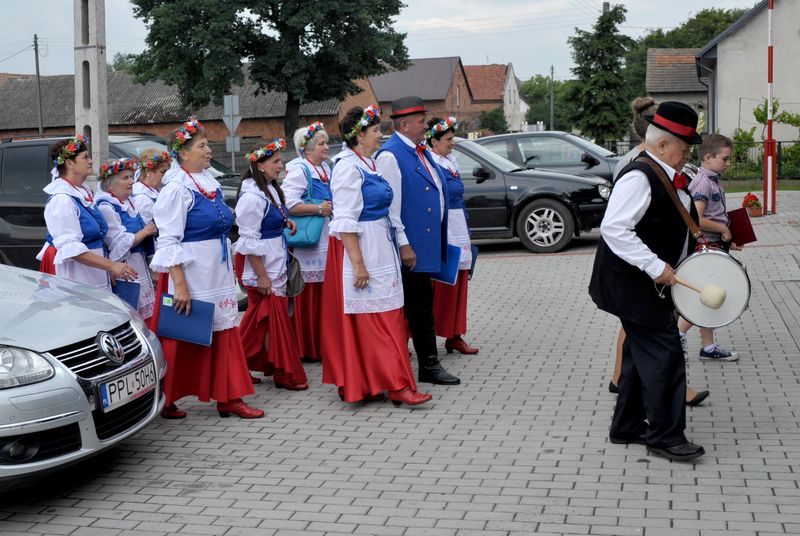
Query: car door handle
{"points": [[513, 187]]}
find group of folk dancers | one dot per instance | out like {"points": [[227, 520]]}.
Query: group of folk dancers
{"points": [[387, 222]]}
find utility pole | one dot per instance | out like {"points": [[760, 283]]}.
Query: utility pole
{"points": [[552, 83], [606, 7], [38, 85]]}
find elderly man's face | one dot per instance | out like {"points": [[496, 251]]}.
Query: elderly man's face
{"points": [[674, 152], [414, 127]]}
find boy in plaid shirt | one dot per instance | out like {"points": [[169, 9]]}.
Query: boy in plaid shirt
{"points": [[709, 199]]}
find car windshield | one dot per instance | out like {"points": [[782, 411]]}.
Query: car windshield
{"points": [[586, 144], [506, 166], [137, 146]]}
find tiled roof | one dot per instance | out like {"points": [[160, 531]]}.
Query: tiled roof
{"points": [[672, 70], [426, 78], [487, 82], [133, 104]]}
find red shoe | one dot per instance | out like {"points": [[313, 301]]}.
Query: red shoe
{"points": [[408, 397], [380, 397], [172, 412], [239, 408], [458, 344], [292, 387], [254, 380]]}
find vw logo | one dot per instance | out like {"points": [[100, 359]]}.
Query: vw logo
{"points": [[111, 347]]}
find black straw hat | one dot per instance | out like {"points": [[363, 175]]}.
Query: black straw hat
{"points": [[678, 119], [407, 106]]}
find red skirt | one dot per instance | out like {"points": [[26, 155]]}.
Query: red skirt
{"points": [[48, 265], [363, 353], [218, 372], [268, 338], [450, 306], [307, 319]]}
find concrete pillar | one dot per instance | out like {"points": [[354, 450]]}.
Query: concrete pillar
{"points": [[91, 94]]}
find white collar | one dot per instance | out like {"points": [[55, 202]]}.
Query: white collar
{"points": [[670, 171], [406, 140], [204, 179], [140, 188], [66, 187], [126, 206], [249, 186]]}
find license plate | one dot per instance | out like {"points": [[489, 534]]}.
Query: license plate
{"points": [[120, 391]]}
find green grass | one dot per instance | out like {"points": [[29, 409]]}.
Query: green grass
{"points": [[757, 185]]}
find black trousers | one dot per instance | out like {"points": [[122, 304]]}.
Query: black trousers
{"points": [[418, 309], [652, 386]]}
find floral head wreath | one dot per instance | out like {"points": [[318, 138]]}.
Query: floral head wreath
{"points": [[74, 146], [268, 150], [117, 166], [442, 126], [312, 129], [152, 162], [185, 134], [369, 115]]}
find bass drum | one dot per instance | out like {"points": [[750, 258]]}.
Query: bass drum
{"points": [[706, 267]]}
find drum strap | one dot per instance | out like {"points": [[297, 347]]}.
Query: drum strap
{"points": [[673, 194]]}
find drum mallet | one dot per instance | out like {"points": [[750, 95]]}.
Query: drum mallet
{"points": [[711, 295]]}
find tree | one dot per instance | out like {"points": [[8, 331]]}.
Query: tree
{"points": [[123, 62], [536, 92], [310, 52], [494, 120], [601, 111], [696, 32]]}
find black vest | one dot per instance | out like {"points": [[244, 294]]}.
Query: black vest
{"points": [[626, 291]]}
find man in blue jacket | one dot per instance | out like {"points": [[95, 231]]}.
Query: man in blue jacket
{"points": [[419, 215]]}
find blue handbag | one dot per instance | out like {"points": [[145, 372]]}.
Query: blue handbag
{"points": [[309, 228]]}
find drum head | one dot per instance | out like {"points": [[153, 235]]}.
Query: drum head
{"points": [[721, 269]]}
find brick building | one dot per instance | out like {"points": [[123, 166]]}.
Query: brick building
{"points": [[496, 86], [155, 108], [440, 82]]}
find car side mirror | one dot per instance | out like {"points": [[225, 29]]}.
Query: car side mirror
{"points": [[481, 173], [589, 160]]}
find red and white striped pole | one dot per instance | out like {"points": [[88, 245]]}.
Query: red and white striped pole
{"points": [[770, 180]]}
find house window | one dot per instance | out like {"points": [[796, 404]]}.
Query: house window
{"points": [[458, 96]]}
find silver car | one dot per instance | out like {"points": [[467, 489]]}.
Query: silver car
{"points": [[79, 372]]}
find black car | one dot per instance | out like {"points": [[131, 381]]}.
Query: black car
{"points": [[545, 209], [25, 169], [560, 151]]}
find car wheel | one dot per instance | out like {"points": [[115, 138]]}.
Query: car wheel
{"points": [[545, 226]]}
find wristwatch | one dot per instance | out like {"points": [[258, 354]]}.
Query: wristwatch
{"points": [[319, 210]]}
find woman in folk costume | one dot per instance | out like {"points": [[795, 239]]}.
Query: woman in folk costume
{"points": [[192, 254], [76, 230], [131, 239], [153, 165], [311, 144], [369, 354], [450, 301], [261, 260]]}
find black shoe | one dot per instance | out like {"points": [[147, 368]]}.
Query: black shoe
{"points": [[698, 398], [636, 440], [613, 388], [684, 452], [431, 371]]}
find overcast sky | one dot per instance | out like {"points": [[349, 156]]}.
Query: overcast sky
{"points": [[530, 34]]}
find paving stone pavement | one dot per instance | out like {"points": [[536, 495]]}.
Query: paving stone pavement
{"points": [[519, 448]]}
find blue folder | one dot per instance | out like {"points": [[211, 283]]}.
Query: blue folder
{"points": [[195, 328], [128, 291], [449, 270], [472, 266]]}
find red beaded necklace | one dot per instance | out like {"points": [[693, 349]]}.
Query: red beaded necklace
{"points": [[207, 195], [121, 202], [373, 167], [323, 175], [86, 195]]}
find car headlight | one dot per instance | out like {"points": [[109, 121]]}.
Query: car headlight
{"points": [[22, 367], [605, 191]]}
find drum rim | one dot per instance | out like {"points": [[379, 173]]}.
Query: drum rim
{"points": [[746, 275]]}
